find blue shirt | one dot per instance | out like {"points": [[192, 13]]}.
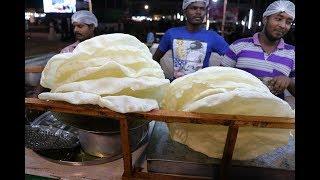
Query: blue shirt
{"points": [[191, 50]]}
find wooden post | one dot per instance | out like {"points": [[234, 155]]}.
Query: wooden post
{"points": [[90, 6], [253, 16], [228, 151], [224, 17], [207, 21], [126, 152]]}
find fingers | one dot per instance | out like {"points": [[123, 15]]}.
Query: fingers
{"points": [[280, 84], [272, 82], [277, 85], [270, 85], [285, 84]]}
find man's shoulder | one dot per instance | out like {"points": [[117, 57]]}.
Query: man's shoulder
{"points": [[289, 47], [243, 40], [65, 49], [175, 29], [211, 32], [212, 36], [70, 47]]}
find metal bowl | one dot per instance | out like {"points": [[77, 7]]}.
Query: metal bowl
{"points": [[101, 136], [32, 79], [108, 145]]}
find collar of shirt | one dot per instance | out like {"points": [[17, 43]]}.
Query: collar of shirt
{"points": [[257, 42], [75, 44]]}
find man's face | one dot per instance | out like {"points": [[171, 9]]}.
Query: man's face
{"points": [[195, 13], [277, 25], [83, 31]]}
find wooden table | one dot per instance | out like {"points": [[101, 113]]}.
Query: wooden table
{"points": [[135, 172]]}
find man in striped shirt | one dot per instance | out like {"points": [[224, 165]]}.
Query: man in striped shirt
{"points": [[266, 55]]}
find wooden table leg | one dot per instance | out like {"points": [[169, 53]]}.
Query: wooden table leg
{"points": [[228, 151], [126, 151]]}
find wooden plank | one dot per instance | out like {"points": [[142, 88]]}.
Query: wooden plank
{"points": [[180, 116], [33, 69], [160, 176], [219, 119], [126, 152], [59, 106], [261, 173], [164, 115], [228, 151]]}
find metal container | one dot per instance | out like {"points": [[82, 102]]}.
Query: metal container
{"points": [[33, 79], [109, 144], [100, 136]]}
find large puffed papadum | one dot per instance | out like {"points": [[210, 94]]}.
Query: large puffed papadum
{"points": [[224, 90], [114, 71]]}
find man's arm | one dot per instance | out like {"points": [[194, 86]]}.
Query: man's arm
{"points": [[230, 57], [280, 83], [292, 86], [158, 55], [164, 46], [220, 45]]}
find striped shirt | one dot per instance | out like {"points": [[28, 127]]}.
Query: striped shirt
{"points": [[248, 55]]}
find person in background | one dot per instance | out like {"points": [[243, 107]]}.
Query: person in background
{"points": [[26, 28], [266, 55], [192, 44], [150, 38], [84, 23]]}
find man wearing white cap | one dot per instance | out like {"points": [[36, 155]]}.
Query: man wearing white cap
{"points": [[192, 44], [84, 23], [266, 55]]}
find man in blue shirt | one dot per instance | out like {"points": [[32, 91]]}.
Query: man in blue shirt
{"points": [[192, 44]]}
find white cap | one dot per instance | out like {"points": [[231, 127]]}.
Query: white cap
{"points": [[186, 3], [280, 6], [85, 17]]}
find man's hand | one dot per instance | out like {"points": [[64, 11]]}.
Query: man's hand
{"points": [[37, 90], [278, 84]]}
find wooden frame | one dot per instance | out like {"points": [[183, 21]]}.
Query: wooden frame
{"points": [[130, 172], [33, 69], [233, 121]]}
